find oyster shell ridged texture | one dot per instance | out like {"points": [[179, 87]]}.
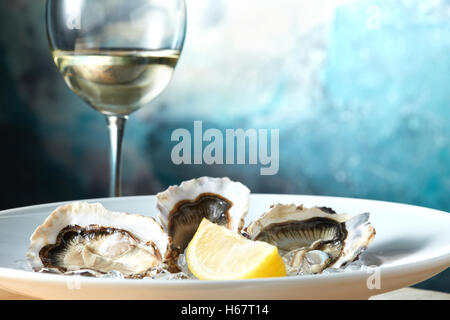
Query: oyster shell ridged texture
{"points": [[182, 208], [80, 236], [312, 239]]}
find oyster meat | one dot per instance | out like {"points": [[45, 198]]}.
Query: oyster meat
{"points": [[82, 236], [313, 239], [182, 208]]}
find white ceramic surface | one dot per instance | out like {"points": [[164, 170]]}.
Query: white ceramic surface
{"points": [[412, 244]]}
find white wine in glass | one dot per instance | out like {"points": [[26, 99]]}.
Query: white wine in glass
{"points": [[117, 56], [117, 81]]}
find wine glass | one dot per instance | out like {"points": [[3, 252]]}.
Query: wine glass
{"points": [[117, 55]]}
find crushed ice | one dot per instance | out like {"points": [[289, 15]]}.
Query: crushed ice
{"points": [[21, 265], [160, 272]]}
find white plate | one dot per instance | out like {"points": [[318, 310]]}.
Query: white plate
{"points": [[412, 244]]}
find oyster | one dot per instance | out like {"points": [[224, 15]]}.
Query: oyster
{"points": [[182, 208], [312, 239], [81, 236]]}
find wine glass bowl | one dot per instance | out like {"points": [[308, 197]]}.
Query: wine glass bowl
{"points": [[116, 55]]}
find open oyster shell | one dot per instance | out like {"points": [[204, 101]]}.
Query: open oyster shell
{"points": [[182, 208], [312, 239], [81, 236]]}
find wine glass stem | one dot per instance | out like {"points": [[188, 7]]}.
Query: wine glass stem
{"points": [[116, 128]]}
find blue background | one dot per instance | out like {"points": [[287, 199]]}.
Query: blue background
{"points": [[360, 91]]}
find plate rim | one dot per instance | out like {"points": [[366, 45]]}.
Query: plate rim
{"points": [[442, 261], [111, 199]]}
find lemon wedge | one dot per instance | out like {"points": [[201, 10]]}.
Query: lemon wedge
{"points": [[217, 253]]}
